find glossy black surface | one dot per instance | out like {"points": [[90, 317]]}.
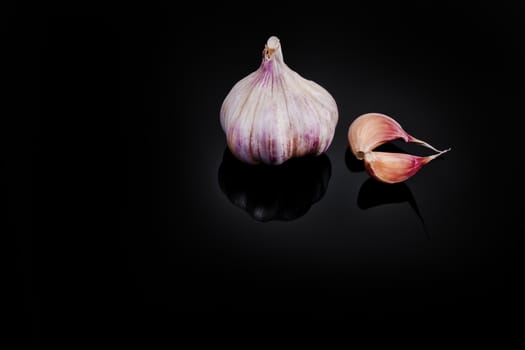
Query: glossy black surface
{"points": [[131, 214]]}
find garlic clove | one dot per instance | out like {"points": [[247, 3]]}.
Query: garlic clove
{"points": [[274, 114], [395, 167], [371, 130]]}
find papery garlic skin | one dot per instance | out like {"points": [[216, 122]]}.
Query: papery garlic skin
{"points": [[371, 130], [274, 114]]}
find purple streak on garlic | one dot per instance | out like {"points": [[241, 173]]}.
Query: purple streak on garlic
{"points": [[274, 114]]}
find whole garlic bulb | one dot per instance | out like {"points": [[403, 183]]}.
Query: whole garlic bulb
{"points": [[274, 114]]}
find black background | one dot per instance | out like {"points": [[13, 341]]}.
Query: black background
{"points": [[125, 211]]}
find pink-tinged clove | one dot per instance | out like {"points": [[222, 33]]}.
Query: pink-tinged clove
{"points": [[395, 167], [371, 130]]}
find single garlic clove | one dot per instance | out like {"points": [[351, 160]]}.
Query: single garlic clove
{"points": [[371, 130], [395, 167], [274, 114]]}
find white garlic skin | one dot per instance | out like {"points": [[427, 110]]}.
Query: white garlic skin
{"points": [[274, 114]]}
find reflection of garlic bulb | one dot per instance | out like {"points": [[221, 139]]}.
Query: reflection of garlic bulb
{"points": [[266, 192], [274, 114]]}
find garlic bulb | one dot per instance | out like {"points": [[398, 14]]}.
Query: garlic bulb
{"points": [[274, 114], [371, 130]]}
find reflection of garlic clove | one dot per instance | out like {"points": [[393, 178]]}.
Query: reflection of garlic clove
{"points": [[395, 167], [371, 130], [274, 114]]}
